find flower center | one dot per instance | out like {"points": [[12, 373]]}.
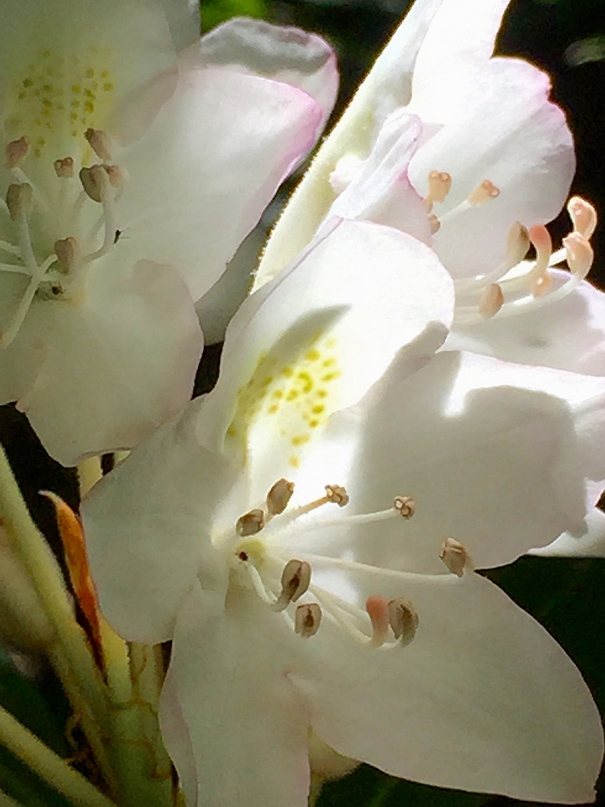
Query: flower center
{"points": [[516, 285], [259, 563], [58, 231]]}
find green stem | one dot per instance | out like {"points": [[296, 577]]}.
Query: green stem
{"points": [[70, 653], [47, 765], [141, 764], [7, 801]]}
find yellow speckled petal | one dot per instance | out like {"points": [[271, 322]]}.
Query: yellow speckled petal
{"points": [[317, 337]]}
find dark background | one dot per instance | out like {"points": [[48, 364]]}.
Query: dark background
{"points": [[564, 37]]}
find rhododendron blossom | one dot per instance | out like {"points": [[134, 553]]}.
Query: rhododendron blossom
{"points": [[132, 173], [306, 535]]}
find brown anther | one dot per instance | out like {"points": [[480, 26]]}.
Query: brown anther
{"points": [[483, 193], [99, 143], [583, 216], [455, 556], [94, 181], [579, 254], [64, 168], [403, 619], [541, 285], [378, 611], [337, 494], [250, 523], [307, 619], [405, 506], [517, 244], [295, 581], [115, 174], [434, 223], [16, 151], [491, 300], [440, 183], [279, 496], [19, 200], [68, 253]]}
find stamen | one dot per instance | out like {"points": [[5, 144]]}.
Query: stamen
{"points": [[583, 216], [378, 611], [307, 619], [440, 183], [99, 143], [279, 497], [68, 254], [540, 238], [403, 619], [19, 200], [517, 244], [434, 224], [580, 255], [116, 175], [491, 300], [483, 193], [250, 523], [16, 151], [405, 506], [335, 494], [455, 556], [542, 285], [295, 581], [7, 336], [64, 168], [94, 180]]}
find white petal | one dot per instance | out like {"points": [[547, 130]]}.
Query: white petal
{"points": [[316, 338], [453, 55], [483, 699], [247, 723], [282, 53], [194, 206], [387, 87], [118, 360], [184, 21], [500, 457], [382, 191], [585, 541], [147, 530], [568, 335], [78, 57], [527, 153], [177, 740]]}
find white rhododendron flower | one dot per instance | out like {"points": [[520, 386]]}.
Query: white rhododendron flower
{"points": [[465, 151], [306, 535], [132, 173]]}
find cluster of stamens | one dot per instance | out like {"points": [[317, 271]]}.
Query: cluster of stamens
{"points": [[391, 623], [516, 285], [101, 183]]}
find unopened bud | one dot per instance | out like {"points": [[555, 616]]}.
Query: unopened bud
{"points": [[455, 556], [583, 216], [279, 496], [403, 619], [491, 300], [250, 523], [405, 506], [295, 581], [99, 143], [579, 254], [483, 193], [19, 200], [337, 494], [16, 151], [94, 181], [64, 168], [307, 619], [68, 253]]}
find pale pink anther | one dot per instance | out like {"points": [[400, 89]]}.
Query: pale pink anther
{"points": [[483, 193], [580, 254], [16, 151], [583, 216], [440, 183], [491, 300], [378, 611]]}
